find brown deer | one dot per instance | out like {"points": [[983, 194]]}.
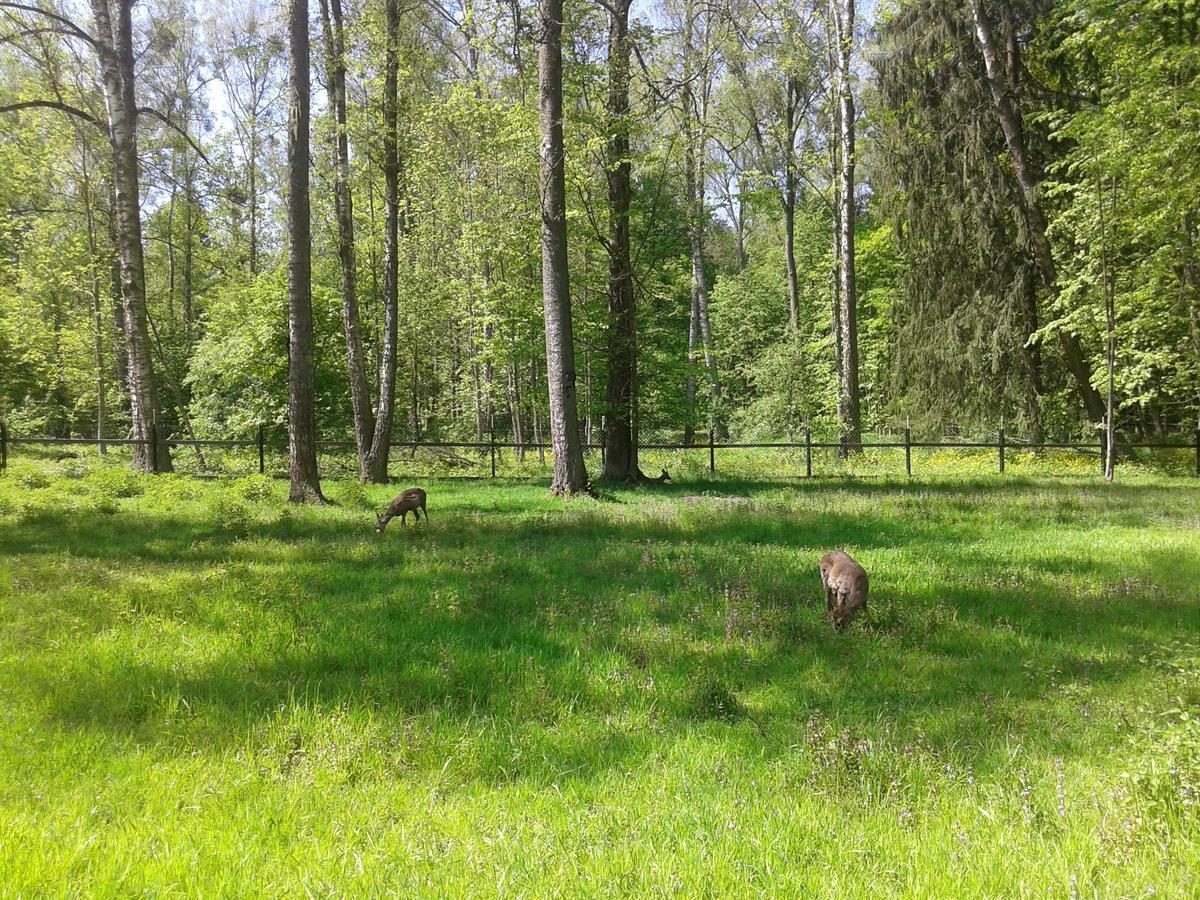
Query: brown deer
{"points": [[412, 500], [845, 584]]}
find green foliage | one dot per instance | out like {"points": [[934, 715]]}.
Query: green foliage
{"points": [[1127, 189]]}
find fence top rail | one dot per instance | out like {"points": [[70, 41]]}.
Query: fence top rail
{"points": [[1012, 443]]}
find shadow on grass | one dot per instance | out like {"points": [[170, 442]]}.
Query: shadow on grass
{"points": [[527, 620]]}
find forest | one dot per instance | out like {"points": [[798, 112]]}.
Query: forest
{"points": [[583, 222], [362, 242]]}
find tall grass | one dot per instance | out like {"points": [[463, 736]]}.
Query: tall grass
{"points": [[204, 690]]}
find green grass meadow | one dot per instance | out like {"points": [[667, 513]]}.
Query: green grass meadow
{"points": [[204, 691]]}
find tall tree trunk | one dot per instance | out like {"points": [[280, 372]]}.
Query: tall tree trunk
{"points": [[302, 429], [94, 258], [1031, 208], [514, 409], [189, 256], [789, 210], [620, 439], [114, 47], [1032, 353], [693, 176], [570, 474], [471, 29], [381, 441], [360, 392], [254, 201], [1110, 350], [689, 430], [537, 415], [849, 414], [120, 345]]}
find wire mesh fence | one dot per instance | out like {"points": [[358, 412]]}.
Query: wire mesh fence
{"points": [[496, 456]]}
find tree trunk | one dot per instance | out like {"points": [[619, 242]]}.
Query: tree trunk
{"points": [[620, 439], [849, 414], [1031, 208], [693, 177], [381, 441], [1032, 353], [302, 429], [189, 256], [570, 474], [1110, 349], [89, 207], [537, 414], [115, 50], [789, 211], [360, 392], [254, 202], [689, 430]]}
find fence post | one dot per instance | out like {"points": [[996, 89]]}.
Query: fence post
{"points": [[1198, 448], [712, 452], [603, 448], [907, 450], [808, 451], [154, 447], [262, 463], [1001, 435], [4, 448], [1103, 451], [492, 443]]}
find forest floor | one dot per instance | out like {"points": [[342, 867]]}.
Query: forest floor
{"points": [[205, 691]]}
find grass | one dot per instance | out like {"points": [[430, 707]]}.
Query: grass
{"points": [[205, 691]]}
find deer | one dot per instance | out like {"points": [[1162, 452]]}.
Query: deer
{"points": [[845, 584], [412, 500]]}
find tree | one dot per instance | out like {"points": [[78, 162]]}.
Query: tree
{"points": [[248, 49], [849, 413], [1031, 207], [381, 441], [620, 435], [302, 427], [570, 473], [113, 45], [360, 398], [696, 31]]}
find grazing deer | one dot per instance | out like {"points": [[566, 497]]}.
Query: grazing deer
{"points": [[412, 500], [845, 584]]}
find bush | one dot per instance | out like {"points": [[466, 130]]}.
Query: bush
{"points": [[252, 488], [229, 513], [353, 495], [115, 483]]}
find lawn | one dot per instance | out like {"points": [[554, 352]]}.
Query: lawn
{"points": [[205, 691]]}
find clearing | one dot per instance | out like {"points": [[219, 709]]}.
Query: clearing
{"points": [[203, 690]]}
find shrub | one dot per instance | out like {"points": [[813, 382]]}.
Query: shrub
{"points": [[115, 483], [229, 513], [252, 488]]}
